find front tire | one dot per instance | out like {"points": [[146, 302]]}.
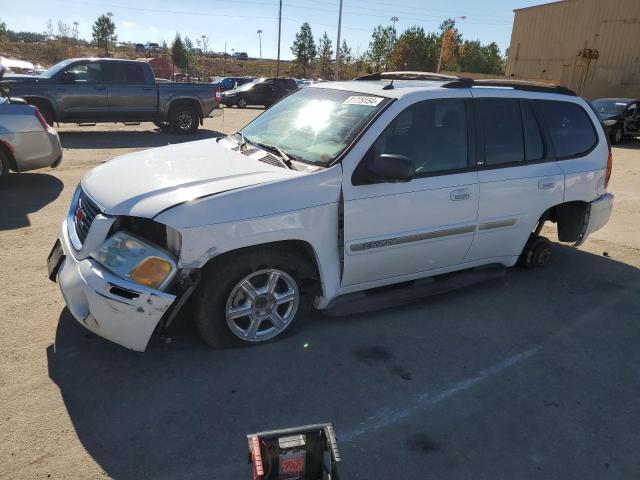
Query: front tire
{"points": [[242, 103], [254, 298], [4, 166], [616, 136], [164, 126], [184, 119]]}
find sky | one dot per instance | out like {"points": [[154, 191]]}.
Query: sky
{"points": [[236, 22]]}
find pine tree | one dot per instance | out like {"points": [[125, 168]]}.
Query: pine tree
{"points": [[179, 53], [304, 48], [104, 30], [325, 53]]}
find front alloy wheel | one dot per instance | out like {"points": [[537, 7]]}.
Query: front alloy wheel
{"points": [[262, 305], [184, 119], [242, 103]]}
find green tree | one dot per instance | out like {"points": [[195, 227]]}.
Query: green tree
{"points": [[345, 53], [325, 54], [475, 58], [380, 47], [304, 48], [179, 53], [104, 30], [416, 50], [3, 31]]}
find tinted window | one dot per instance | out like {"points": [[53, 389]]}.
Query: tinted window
{"points": [[433, 134], [501, 122], [113, 72], [533, 144], [89, 72], [569, 126], [133, 73]]}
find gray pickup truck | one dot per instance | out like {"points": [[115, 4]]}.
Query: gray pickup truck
{"points": [[90, 90]]}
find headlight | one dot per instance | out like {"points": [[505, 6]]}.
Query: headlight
{"points": [[609, 123], [139, 261]]}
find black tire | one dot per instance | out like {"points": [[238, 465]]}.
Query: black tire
{"points": [[242, 103], [536, 253], [4, 165], [46, 111], [163, 125], [220, 280], [616, 136], [184, 119]]}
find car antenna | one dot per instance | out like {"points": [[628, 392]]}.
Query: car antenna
{"points": [[388, 87]]}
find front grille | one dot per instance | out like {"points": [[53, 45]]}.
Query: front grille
{"points": [[84, 213]]}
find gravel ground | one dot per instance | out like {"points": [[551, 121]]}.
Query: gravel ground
{"points": [[532, 375]]}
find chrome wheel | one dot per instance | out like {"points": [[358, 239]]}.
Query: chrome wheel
{"points": [[262, 305], [185, 121]]}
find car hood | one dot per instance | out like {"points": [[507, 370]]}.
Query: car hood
{"points": [[146, 183]]}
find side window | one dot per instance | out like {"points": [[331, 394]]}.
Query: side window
{"points": [[89, 72], [133, 73], [113, 72], [569, 126], [533, 144], [431, 133], [501, 123]]}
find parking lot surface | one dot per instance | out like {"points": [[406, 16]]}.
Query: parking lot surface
{"points": [[535, 374]]}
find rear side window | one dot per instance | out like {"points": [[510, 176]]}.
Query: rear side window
{"points": [[571, 131], [501, 121], [134, 73], [533, 144]]}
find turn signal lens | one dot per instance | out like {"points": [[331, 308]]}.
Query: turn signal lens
{"points": [[151, 272]]}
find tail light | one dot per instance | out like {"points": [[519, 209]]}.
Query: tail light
{"points": [[607, 174], [41, 119], [218, 94]]}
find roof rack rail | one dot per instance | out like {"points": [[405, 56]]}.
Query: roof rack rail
{"points": [[465, 82], [408, 76]]}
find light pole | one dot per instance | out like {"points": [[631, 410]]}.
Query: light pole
{"points": [[393, 22], [279, 34], [444, 38], [260, 40], [335, 73], [75, 31]]}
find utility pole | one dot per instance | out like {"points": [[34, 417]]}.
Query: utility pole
{"points": [[335, 72], [279, 34], [224, 60], [393, 22], [260, 40]]}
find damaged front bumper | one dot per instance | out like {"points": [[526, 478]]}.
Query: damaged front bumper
{"points": [[114, 308]]}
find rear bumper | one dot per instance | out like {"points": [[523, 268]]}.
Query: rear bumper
{"points": [[36, 149], [599, 214], [95, 298]]}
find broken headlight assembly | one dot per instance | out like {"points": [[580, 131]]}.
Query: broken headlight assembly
{"points": [[132, 258]]}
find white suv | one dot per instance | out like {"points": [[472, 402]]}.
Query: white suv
{"points": [[338, 188]]}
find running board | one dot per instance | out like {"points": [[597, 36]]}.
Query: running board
{"points": [[410, 292]]}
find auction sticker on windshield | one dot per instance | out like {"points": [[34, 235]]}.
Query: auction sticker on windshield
{"points": [[358, 100]]}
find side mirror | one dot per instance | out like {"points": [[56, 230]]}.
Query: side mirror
{"points": [[391, 167]]}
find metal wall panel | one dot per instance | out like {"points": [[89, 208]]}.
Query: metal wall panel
{"points": [[546, 42]]}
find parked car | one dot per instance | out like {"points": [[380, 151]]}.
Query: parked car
{"points": [[240, 56], [620, 116], [341, 187], [139, 47], [13, 66], [27, 142], [263, 91], [229, 83], [81, 90]]}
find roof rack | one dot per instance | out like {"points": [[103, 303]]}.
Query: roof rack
{"points": [[408, 76], [464, 82]]}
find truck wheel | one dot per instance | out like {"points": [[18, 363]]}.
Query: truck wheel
{"points": [[4, 166], [242, 103], [616, 136], [184, 119], [162, 125], [536, 253], [254, 298]]}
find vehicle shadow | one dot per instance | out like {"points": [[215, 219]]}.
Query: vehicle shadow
{"points": [[24, 193], [181, 410], [629, 144], [96, 139]]}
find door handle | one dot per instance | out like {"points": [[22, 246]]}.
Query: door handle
{"points": [[147, 88], [458, 195], [546, 183]]}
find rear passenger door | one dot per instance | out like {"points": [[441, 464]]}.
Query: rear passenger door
{"points": [[131, 91], [518, 176]]}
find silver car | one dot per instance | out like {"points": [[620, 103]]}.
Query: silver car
{"points": [[26, 141]]}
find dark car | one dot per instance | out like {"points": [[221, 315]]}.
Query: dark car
{"points": [[229, 83], [620, 116], [263, 91]]}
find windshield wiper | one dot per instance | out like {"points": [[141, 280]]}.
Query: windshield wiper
{"points": [[284, 156]]}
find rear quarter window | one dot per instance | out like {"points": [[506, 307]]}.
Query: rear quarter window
{"points": [[570, 128]]}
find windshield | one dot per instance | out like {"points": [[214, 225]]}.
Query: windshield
{"points": [[609, 107], [51, 71], [314, 124]]}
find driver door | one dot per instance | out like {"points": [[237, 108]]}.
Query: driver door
{"points": [[405, 229], [82, 92]]}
